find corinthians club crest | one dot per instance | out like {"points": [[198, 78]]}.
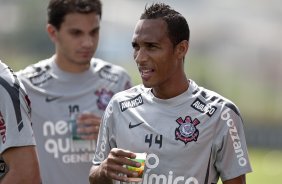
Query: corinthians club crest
{"points": [[187, 130], [104, 98]]}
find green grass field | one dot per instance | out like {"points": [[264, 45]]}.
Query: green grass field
{"points": [[267, 166]]}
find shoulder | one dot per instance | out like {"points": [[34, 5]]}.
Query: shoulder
{"points": [[36, 68], [133, 96], [6, 74], [123, 100], [130, 93], [8, 80], [211, 99], [36, 73], [102, 65]]}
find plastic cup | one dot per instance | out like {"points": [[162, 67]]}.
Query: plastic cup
{"points": [[141, 158]]}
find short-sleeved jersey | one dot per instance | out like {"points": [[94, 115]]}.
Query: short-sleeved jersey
{"points": [[55, 96], [15, 122], [193, 138]]}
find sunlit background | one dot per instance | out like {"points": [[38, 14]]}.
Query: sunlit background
{"points": [[235, 49]]}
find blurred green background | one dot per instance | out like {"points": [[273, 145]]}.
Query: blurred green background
{"points": [[235, 49]]}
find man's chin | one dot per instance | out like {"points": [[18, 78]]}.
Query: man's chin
{"points": [[83, 62], [146, 84]]}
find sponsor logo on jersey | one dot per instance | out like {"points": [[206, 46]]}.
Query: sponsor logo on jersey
{"points": [[131, 103], [106, 74], [103, 143], [2, 128], [152, 162], [237, 144], [187, 130], [59, 145], [40, 78], [51, 99], [200, 106], [104, 98], [130, 126]]}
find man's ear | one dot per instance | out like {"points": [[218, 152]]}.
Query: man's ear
{"points": [[182, 49], [52, 32]]}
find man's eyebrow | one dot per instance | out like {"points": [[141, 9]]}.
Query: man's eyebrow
{"points": [[79, 30], [151, 43]]}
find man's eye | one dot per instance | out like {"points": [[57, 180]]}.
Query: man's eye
{"points": [[151, 46], [135, 46], [94, 32], [75, 33]]}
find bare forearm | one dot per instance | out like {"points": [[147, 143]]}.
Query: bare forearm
{"points": [[96, 176], [16, 178], [23, 166], [239, 180]]}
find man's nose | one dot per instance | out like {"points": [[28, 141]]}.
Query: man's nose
{"points": [[87, 41], [141, 56]]}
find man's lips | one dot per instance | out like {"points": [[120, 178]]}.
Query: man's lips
{"points": [[146, 74], [86, 53]]}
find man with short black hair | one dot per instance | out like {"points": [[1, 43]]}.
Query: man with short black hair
{"points": [[70, 91], [191, 135]]}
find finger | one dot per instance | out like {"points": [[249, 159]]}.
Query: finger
{"points": [[88, 129], [89, 137], [89, 122], [116, 168], [87, 115], [123, 175], [118, 176], [122, 153], [124, 157]]}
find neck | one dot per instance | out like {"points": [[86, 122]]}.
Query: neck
{"points": [[171, 91], [71, 66]]}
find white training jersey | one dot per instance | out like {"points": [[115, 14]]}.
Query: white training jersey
{"points": [[193, 138], [15, 123], [55, 96]]}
